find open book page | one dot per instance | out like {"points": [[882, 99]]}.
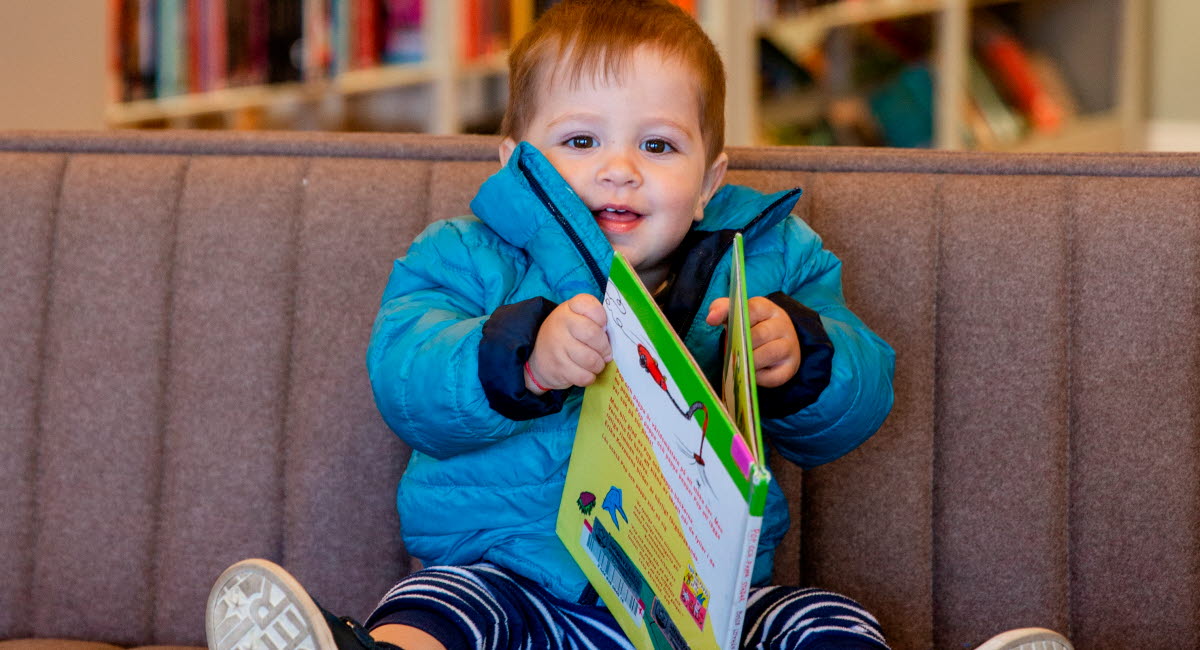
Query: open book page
{"points": [[658, 497]]}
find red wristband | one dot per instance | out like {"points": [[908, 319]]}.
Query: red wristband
{"points": [[529, 372]]}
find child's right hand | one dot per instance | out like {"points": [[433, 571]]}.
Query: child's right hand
{"points": [[571, 346]]}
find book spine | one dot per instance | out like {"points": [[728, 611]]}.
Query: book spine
{"points": [[1002, 123], [258, 41], [470, 30], [760, 480], [339, 13], [218, 45], [687, 5], [147, 26], [194, 46], [737, 614], [521, 15], [403, 41], [1013, 72], [123, 47], [366, 33], [314, 39]]}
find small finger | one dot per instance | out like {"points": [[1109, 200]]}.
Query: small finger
{"points": [[718, 311], [771, 377], [591, 335], [772, 354], [586, 359], [762, 309], [587, 305], [768, 330], [579, 376]]}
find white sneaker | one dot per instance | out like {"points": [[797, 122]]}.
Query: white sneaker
{"points": [[255, 604], [1027, 638]]}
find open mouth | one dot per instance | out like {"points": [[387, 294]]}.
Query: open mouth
{"points": [[614, 219]]}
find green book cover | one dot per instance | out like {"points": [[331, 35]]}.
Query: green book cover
{"points": [[665, 491]]}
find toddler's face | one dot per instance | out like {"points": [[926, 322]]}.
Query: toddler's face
{"points": [[632, 149]]}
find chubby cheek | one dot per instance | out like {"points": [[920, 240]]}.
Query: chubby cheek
{"points": [[693, 203]]}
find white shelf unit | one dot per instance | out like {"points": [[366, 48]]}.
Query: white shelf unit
{"points": [[1112, 29], [736, 30], [441, 74]]}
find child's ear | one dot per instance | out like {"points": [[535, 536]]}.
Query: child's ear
{"points": [[507, 146], [713, 179]]}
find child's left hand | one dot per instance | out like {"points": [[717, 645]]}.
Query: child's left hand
{"points": [[772, 335]]}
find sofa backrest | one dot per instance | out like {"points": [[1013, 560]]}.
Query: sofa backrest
{"points": [[182, 384]]}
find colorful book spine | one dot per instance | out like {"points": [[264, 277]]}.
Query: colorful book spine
{"points": [[170, 29], [339, 16], [522, 18], [366, 34], [1010, 67], [1002, 124], [216, 39], [404, 40], [194, 50]]}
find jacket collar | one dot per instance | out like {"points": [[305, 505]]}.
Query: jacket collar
{"points": [[735, 207], [530, 206]]}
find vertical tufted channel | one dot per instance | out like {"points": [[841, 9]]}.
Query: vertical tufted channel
{"points": [[342, 463], [101, 413], [30, 185], [867, 516], [1135, 465], [1000, 473], [230, 333]]}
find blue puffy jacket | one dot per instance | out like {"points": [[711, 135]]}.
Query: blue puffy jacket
{"points": [[458, 320]]}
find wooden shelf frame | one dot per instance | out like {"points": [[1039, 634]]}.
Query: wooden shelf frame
{"points": [[1122, 125]]}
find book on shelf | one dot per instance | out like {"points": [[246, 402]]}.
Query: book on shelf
{"points": [[403, 37], [903, 108], [162, 48], [663, 501], [285, 32], [1010, 66], [487, 28], [171, 30], [992, 122]]}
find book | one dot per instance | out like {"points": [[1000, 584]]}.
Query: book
{"points": [[998, 124], [677, 471], [171, 31], [1010, 66], [403, 39]]}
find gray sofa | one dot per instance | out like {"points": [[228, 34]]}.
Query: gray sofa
{"points": [[182, 383]]}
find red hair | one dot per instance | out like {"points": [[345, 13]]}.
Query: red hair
{"points": [[599, 36]]}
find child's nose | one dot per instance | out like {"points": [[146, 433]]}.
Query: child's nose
{"points": [[620, 169]]}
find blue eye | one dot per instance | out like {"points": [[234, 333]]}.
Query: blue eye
{"points": [[580, 142], [657, 146]]}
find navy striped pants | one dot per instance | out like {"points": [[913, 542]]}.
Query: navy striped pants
{"points": [[485, 606]]}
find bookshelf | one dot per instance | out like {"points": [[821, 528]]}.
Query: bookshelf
{"points": [[1095, 48], [337, 54], [1097, 44]]}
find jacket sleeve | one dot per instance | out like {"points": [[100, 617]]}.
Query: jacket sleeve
{"points": [[837, 411], [423, 358]]}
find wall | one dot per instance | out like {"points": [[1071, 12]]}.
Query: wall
{"points": [[1174, 81], [52, 64]]}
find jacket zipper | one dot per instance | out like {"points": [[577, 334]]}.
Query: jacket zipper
{"points": [[770, 208], [600, 278]]}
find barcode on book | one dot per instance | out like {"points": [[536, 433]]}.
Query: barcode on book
{"points": [[610, 568]]}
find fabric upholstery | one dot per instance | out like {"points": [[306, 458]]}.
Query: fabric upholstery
{"points": [[182, 380]]}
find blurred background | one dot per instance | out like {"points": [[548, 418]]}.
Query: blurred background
{"points": [[1008, 75]]}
